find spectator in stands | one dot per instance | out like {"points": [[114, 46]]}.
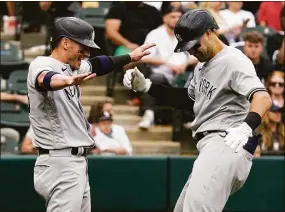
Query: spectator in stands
{"points": [[214, 8], [268, 14], [128, 23], [237, 19], [275, 45], [110, 139], [253, 48], [53, 10], [22, 99], [27, 144], [96, 110], [272, 127], [163, 63], [275, 84]]}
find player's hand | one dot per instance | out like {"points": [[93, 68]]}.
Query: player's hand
{"points": [[237, 137], [135, 80], [80, 78], [140, 52]]}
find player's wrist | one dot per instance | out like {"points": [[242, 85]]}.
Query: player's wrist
{"points": [[253, 120]]}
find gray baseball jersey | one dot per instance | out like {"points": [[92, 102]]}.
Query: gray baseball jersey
{"points": [[221, 89], [57, 117]]}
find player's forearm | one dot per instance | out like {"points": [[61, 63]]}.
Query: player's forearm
{"points": [[173, 97], [54, 82], [261, 103], [102, 65]]}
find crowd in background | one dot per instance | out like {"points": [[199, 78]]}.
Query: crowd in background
{"points": [[257, 29]]}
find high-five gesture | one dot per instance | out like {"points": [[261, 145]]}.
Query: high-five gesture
{"points": [[80, 78], [135, 80], [140, 52]]}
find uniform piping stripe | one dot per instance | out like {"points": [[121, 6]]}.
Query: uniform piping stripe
{"points": [[253, 91]]}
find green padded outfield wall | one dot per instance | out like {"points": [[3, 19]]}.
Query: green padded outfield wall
{"points": [[141, 184]]}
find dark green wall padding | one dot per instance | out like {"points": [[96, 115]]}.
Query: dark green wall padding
{"points": [[142, 184]]}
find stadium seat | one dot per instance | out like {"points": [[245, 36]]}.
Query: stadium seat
{"points": [[9, 145], [94, 16], [17, 82], [14, 115], [12, 58]]}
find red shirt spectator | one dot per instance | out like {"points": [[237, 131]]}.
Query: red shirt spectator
{"points": [[269, 14]]}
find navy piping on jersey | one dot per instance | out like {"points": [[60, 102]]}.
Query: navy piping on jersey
{"points": [[250, 94]]}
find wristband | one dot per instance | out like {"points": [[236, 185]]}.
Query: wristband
{"points": [[253, 120]]}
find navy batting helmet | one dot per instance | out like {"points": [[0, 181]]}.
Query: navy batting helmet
{"points": [[75, 29], [191, 26]]}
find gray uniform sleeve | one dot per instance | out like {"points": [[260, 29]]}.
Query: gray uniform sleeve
{"points": [[85, 67], [36, 72], [244, 79], [191, 88]]}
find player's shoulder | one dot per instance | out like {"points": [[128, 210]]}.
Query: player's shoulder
{"points": [[237, 60], [42, 61], [236, 56]]}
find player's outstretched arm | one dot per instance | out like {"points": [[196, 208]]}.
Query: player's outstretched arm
{"points": [[54, 81], [102, 65], [173, 97]]}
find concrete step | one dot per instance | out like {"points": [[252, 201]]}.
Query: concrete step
{"points": [[89, 100], [121, 94], [155, 133], [100, 80], [118, 109], [126, 119], [155, 148]]}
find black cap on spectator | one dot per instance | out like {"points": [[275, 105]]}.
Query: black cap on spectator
{"points": [[191, 26], [105, 116]]}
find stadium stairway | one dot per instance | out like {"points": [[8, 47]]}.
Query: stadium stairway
{"points": [[156, 141]]}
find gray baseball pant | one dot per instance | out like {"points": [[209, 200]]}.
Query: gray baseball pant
{"points": [[217, 173], [62, 179]]}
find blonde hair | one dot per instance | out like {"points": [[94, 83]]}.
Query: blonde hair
{"points": [[267, 135]]}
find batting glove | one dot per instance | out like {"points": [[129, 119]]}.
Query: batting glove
{"points": [[237, 137], [135, 80]]}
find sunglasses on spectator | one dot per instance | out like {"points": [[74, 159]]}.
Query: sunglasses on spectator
{"points": [[274, 84]]}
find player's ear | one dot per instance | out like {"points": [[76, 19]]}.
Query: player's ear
{"points": [[64, 43]]}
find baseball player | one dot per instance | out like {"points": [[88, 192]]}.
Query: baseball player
{"points": [[61, 131], [228, 101]]}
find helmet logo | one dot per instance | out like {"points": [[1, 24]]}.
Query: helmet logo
{"points": [[93, 35], [178, 37]]}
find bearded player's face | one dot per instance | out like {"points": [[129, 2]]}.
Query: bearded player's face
{"points": [[203, 50]]}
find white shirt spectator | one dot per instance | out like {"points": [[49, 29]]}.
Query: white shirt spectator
{"points": [[237, 18], [118, 138], [164, 49]]}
